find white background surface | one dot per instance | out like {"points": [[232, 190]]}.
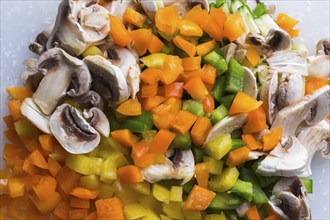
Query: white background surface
{"points": [[21, 21]]}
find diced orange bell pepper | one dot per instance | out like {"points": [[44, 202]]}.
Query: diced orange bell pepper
{"points": [[287, 23], [271, 217], [30, 181], [84, 193], [9, 121], [219, 16], [313, 83], [183, 121], [174, 89], [162, 116], [150, 103], [256, 121], [91, 216], [62, 210], [243, 103], [45, 188], [162, 141], [78, 213], [167, 21], [171, 70], [202, 172], [109, 209], [119, 33], [150, 75], [200, 130], [187, 75], [48, 205], [189, 28], [155, 45], [198, 199], [141, 40], [125, 137], [130, 107], [47, 142], [191, 63], [141, 155], [252, 213], [79, 203], [175, 104], [252, 56], [149, 90], [209, 74], [19, 93], [185, 45], [198, 15], [37, 159], [196, 88], [251, 142], [204, 48], [238, 157], [212, 28], [15, 187], [140, 148], [14, 107], [129, 174], [67, 184], [53, 166], [133, 17], [234, 27], [271, 139]]}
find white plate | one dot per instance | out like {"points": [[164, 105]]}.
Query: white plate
{"points": [[21, 21]]}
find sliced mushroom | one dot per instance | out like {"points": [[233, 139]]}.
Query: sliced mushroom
{"points": [[108, 80], [62, 71], [182, 167], [32, 76], [323, 47], [268, 96], [151, 7], [312, 138], [39, 44], [79, 24], [288, 61], [254, 155], [129, 66], [33, 113], [98, 120], [311, 110], [72, 131], [89, 100], [227, 125], [319, 66], [117, 7], [254, 39], [289, 200], [250, 86], [278, 39], [288, 158]]}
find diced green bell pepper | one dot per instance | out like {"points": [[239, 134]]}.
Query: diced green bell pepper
{"points": [[308, 183], [260, 9], [224, 201], [234, 77], [218, 146], [243, 189], [83, 164], [225, 181], [188, 186], [198, 154], [217, 61], [134, 211], [237, 134], [194, 107], [218, 88], [227, 100], [215, 165], [138, 124], [114, 124], [90, 181], [173, 210], [259, 196], [182, 142], [218, 114]]}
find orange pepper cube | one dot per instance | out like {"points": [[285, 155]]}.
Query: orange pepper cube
{"points": [[129, 174], [149, 90], [162, 141], [198, 199], [183, 121], [167, 20], [185, 45], [133, 17], [191, 63], [150, 75], [156, 45], [174, 89], [196, 88], [200, 130], [243, 103], [205, 48], [234, 27], [109, 209], [190, 28], [141, 40], [238, 156], [119, 33], [125, 137], [251, 142]]}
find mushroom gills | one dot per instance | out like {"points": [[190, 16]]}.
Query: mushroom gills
{"points": [[98, 120], [89, 100], [268, 96], [182, 167], [72, 131]]}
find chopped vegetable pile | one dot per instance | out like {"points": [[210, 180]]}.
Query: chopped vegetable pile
{"points": [[166, 110]]}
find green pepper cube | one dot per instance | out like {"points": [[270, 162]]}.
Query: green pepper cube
{"points": [[182, 142], [237, 134], [176, 193], [225, 181], [215, 165], [161, 193], [194, 107], [138, 124], [198, 154], [218, 114], [234, 77], [218, 88], [90, 181], [227, 100], [308, 183], [243, 189], [224, 201], [218, 146], [217, 61], [134, 211]]}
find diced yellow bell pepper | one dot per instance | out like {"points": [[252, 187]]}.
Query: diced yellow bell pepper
{"points": [[83, 164], [155, 60], [225, 181], [150, 215], [218, 146], [164, 217], [148, 202], [90, 181], [142, 187], [173, 210], [91, 51], [176, 193], [215, 165], [161, 193], [220, 216], [106, 191], [134, 211], [192, 215], [127, 195]]}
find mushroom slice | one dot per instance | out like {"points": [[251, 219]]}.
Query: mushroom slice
{"points": [[60, 71], [98, 120], [288, 158], [227, 125], [290, 90], [72, 131], [254, 155], [319, 66], [288, 61], [323, 47], [312, 138], [278, 39], [311, 109], [33, 113], [108, 80], [78, 26], [268, 96], [250, 86], [39, 44], [182, 167], [129, 66], [289, 199], [151, 7], [89, 100], [254, 39]]}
